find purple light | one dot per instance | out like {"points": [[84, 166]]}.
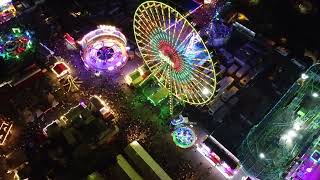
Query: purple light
{"points": [[104, 49]]}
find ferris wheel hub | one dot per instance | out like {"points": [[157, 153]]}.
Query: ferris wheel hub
{"points": [[169, 54]]}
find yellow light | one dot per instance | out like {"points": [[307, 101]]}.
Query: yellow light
{"points": [[128, 79], [5, 130], [141, 71], [242, 17]]}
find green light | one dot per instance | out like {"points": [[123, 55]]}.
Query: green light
{"points": [[22, 39], [184, 137], [16, 30]]}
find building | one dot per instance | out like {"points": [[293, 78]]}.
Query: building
{"points": [[138, 76], [157, 97], [144, 163], [82, 125], [123, 170]]}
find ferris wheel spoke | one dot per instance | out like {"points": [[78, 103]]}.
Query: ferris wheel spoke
{"points": [[201, 73], [155, 65], [182, 43], [160, 19], [169, 24], [174, 83], [144, 40], [148, 50], [163, 74], [201, 79], [202, 67], [198, 84], [152, 11], [144, 26], [158, 69], [151, 18], [153, 22], [143, 30], [149, 23], [188, 93], [150, 61], [142, 18], [170, 28], [180, 31], [149, 56], [175, 26], [162, 14], [198, 91]]}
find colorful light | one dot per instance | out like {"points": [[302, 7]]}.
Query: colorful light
{"points": [[15, 44], [217, 155], [7, 10], [104, 49], [184, 137], [174, 52]]}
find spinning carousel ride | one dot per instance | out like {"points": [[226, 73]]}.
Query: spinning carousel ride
{"points": [[104, 49]]}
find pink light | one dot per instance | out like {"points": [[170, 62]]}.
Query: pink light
{"points": [[118, 64], [309, 170], [94, 45]]}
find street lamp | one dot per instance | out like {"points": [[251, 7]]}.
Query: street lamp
{"points": [[315, 94], [304, 76], [262, 155]]}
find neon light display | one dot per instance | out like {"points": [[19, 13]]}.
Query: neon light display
{"points": [[307, 169], [7, 10], [174, 52], [15, 44], [219, 157], [104, 49], [184, 137]]}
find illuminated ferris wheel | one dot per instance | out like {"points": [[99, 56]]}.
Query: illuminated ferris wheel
{"points": [[174, 52]]}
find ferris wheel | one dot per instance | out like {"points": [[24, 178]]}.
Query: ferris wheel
{"points": [[174, 52]]}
